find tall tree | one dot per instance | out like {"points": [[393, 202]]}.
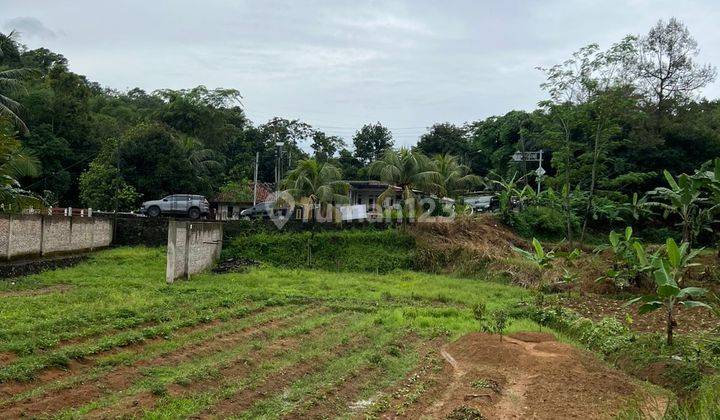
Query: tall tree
{"points": [[325, 147], [665, 65], [151, 158], [445, 138], [371, 142], [597, 83]]}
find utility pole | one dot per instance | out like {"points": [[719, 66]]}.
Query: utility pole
{"points": [[257, 161], [540, 171], [278, 163]]}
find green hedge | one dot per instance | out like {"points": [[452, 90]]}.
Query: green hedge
{"points": [[349, 250]]}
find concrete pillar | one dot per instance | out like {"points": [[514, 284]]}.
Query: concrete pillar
{"points": [[186, 260], [171, 252]]}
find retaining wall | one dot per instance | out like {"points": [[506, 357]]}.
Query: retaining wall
{"points": [[192, 247], [32, 235]]}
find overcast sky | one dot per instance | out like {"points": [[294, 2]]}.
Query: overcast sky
{"points": [[338, 65]]}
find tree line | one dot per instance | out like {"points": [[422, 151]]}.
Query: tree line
{"points": [[613, 121]]}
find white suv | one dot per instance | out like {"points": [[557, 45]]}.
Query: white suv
{"points": [[193, 206]]}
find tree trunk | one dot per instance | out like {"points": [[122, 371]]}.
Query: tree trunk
{"points": [[670, 325], [566, 198], [593, 179]]}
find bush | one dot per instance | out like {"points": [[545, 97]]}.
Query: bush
{"points": [[659, 235], [349, 250], [539, 221]]}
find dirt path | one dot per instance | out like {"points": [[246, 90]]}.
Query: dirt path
{"points": [[524, 376]]}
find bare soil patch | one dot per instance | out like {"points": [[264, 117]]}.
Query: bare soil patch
{"points": [[58, 288], [522, 376], [596, 307]]}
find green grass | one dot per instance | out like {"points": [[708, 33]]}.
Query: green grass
{"points": [[115, 313], [363, 330], [348, 250]]}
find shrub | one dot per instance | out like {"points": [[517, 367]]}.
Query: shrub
{"points": [[350, 250], [543, 222]]}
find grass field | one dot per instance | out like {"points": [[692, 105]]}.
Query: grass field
{"points": [[109, 338]]}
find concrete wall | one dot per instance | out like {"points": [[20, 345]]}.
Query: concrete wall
{"points": [[193, 247], [32, 235]]}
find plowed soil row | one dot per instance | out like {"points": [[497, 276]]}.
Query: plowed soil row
{"points": [[123, 376]]}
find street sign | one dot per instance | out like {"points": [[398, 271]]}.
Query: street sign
{"points": [[540, 171], [527, 156]]}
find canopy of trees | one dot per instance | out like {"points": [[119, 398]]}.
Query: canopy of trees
{"points": [[613, 121]]}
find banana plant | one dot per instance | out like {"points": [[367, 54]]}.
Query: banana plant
{"points": [[539, 256], [685, 198], [668, 275], [627, 267]]}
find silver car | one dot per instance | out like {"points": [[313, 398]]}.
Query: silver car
{"points": [[193, 206]]}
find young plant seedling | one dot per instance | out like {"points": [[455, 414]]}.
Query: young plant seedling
{"points": [[539, 256]]}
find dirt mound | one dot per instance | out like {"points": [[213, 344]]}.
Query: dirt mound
{"points": [[484, 234], [525, 375], [472, 245]]}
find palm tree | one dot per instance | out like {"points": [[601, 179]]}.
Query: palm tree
{"points": [[11, 83], [456, 178], [409, 170], [16, 164], [321, 184], [204, 161]]}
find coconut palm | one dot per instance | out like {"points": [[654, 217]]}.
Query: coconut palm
{"points": [[456, 178], [15, 164], [408, 170], [318, 183], [11, 83], [204, 161]]}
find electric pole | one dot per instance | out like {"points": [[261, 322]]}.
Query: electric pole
{"points": [[257, 161]]}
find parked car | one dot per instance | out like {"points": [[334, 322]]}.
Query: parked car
{"points": [[262, 210], [482, 203], [193, 206]]}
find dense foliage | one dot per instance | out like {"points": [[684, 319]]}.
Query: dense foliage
{"points": [[615, 119]]}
